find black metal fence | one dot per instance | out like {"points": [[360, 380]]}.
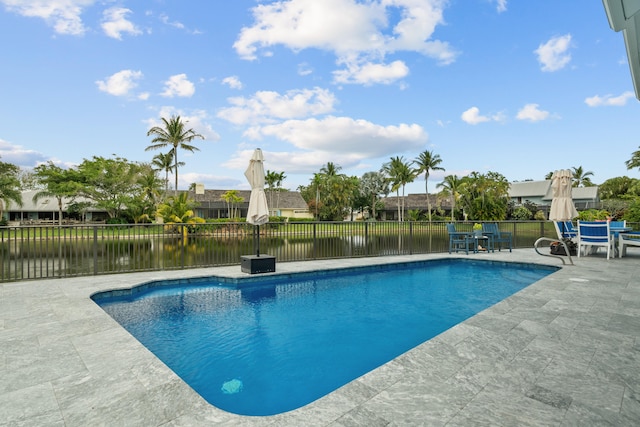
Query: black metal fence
{"points": [[48, 251]]}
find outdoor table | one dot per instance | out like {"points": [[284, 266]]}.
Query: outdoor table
{"points": [[476, 239], [615, 232]]}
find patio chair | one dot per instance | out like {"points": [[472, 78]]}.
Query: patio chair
{"points": [[627, 239], [496, 236], [593, 235], [459, 240], [566, 230]]}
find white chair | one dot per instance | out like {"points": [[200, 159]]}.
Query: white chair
{"points": [[594, 234], [627, 239]]}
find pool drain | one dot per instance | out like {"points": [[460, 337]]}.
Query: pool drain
{"points": [[232, 387]]}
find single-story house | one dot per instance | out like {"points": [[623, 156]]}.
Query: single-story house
{"points": [[288, 204], [540, 193], [46, 210]]}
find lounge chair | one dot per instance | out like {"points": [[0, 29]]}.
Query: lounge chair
{"points": [[627, 239], [594, 234], [496, 236], [459, 240]]}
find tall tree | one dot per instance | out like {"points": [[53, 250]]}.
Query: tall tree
{"points": [[164, 162], [450, 186], [372, 185], [400, 174], [333, 193], [271, 179], [485, 197], [142, 205], [634, 161], [279, 178], [110, 183], [56, 182], [581, 177], [232, 198], [9, 186], [426, 162], [175, 135]]}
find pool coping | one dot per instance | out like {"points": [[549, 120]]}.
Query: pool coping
{"points": [[543, 356]]}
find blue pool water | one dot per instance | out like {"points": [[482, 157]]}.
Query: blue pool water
{"points": [[269, 345]]}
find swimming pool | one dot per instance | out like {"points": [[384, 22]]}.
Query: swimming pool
{"points": [[265, 345]]}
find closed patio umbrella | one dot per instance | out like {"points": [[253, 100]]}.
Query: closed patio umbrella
{"points": [[562, 207], [258, 212]]}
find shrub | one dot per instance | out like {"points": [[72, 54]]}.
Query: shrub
{"points": [[521, 214]]}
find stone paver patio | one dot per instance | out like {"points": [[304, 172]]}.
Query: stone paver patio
{"points": [[563, 352]]}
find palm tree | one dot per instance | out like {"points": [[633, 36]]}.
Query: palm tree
{"points": [[179, 211], [450, 185], [232, 198], [279, 178], [9, 186], [173, 134], [581, 178], [427, 161], [400, 174], [271, 179], [164, 162], [634, 161], [330, 169]]}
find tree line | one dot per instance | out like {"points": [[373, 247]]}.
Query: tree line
{"points": [[136, 192]]}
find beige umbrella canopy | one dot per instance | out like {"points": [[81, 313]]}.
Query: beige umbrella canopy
{"points": [[258, 212], [562, 207]]}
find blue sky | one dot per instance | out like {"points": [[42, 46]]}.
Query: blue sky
{"points": [[517, 87]]}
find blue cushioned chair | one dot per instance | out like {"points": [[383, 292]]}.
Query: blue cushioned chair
{"points": [[594, 234], [566, 230], [496, 236], [459, 240]]}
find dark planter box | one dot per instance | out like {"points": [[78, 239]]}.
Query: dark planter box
{"points": [[558, 249], [253, 264]]}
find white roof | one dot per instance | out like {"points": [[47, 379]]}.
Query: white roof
{"points": [[44, 204]]}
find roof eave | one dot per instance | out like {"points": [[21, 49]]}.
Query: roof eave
{"points": [[623, 15]]}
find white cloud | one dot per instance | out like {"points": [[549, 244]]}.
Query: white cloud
{"points": [[609, 100], [114, 23], [178, 85], [63, 15], [345, 141], [176, 24], [369, 73], [553, 55], [267, 106], [361, 33], [19, 156], [120, 83], [532, 113], [473, 116], [501, 5], [304, 69], [233, 82], [345, 135]]}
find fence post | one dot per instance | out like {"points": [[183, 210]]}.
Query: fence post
{"points": [[410, 237], [366, 238], [183, 243], [315, 243], [95, 250]]}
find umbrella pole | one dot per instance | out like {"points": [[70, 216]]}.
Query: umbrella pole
{"points": [[257, 230]]}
